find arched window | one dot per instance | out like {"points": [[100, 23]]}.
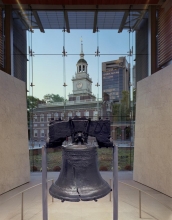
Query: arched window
{"points": [[118, 133], [41, 117], [77, 98], [35, 118], [79, 68], [42, 133], [62, 115], [83, 68], [127, 133], [86, 113], [35, 133], [69, 114], [56, 115], [48, 117], [78, 113], [95, 114]]}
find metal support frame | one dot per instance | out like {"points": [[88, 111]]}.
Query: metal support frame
{"points": [[136, 25], [124, 19], [66, 20], [95, 21], [152, 56], [115, 182], [140, 209], [110, 194], [22, 195], [38, 21], [52, 196], [25, 20], [18, 14], [45, 187], [9, 63], [44, 184]]}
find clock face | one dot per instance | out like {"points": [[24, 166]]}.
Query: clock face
{"points": [[79, 85]]}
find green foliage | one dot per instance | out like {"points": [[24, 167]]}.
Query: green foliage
{"points": [[32, 102], [50, 98], [125, 98], [121, 111], [105, 158]]}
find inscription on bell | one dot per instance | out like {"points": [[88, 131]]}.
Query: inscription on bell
{"points": [[79, 178]]}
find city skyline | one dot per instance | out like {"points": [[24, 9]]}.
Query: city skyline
{"points": [[48, 61]]}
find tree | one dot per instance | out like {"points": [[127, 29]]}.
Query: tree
{"points": [[121, 111], [50, 98], [32, 102]]}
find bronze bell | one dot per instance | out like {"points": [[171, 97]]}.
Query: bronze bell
{"points": [[79, 178]]}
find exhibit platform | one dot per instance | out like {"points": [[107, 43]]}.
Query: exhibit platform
{"points": [[154, 205]]}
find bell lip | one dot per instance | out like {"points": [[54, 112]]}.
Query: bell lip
{"points": [[63, 197], [79, 147], [78, 197], [74, 199], [92, 198]]}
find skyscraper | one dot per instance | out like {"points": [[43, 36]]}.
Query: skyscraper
{"points": [[115, 78]]}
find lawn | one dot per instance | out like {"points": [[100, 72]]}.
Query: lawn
{"points": [[105, 155]]}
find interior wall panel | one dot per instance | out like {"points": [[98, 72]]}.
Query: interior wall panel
{"points": [[153, 133], [14, 150]]}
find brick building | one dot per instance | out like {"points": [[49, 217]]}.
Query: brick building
{"points": [[81, 103]]}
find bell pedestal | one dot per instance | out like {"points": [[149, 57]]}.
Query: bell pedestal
{"points": [[79, 178]]}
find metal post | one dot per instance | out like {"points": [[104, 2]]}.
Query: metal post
{"points": [[115, 182], [52, 196], [140, 209], [22, 206], [110, 194], [44, 184]]}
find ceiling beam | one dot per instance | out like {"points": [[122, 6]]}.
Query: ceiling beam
{"points": [[136, 25], [167, 5], [38, 21], [95, 21], [66, 21], [24, 20], [123, 21]]}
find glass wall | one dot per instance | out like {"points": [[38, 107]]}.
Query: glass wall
{"points": [[80, 73]]}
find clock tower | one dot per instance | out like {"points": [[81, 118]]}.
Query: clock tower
{"points": [[82, 83]]}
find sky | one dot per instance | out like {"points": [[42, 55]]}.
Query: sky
{"points": [[46, 69]]}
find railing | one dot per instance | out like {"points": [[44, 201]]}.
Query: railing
{"points": [[22, 197], [140, 192], [140, 200]]}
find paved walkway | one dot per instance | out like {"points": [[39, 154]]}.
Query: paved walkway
{"points": [[101, 210]]}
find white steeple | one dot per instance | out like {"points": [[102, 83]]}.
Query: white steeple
{"points": [[82, 53], [82, 63]]}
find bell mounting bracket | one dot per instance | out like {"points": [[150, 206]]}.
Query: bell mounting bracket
{"points": [[79, 128]]}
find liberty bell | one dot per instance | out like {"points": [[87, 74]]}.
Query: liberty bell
{"points": [[79, 177]]}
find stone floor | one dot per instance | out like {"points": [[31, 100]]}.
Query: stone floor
{"points": [[101, 210]]}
